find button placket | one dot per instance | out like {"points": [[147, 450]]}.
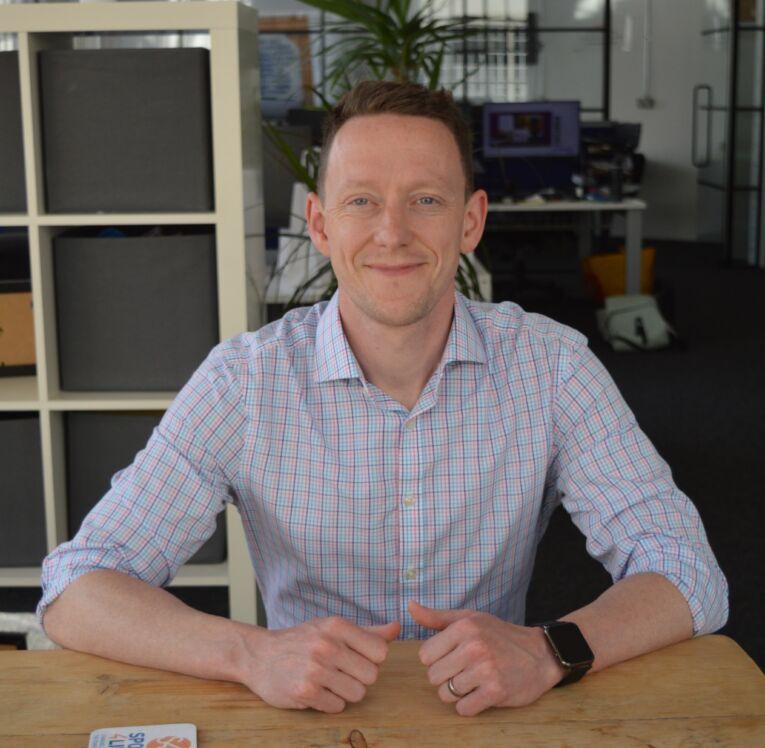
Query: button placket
{"points": [[409, 522]]}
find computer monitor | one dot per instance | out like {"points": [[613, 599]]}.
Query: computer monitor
{"points": [[531, 129]]}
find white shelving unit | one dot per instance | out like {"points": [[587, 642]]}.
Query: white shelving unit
{"points": [[237, 223]]}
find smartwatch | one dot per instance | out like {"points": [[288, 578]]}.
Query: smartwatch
{"points": [[570, 648]]}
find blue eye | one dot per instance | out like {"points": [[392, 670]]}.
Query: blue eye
{"points": [[427, 200], [360, 201]]}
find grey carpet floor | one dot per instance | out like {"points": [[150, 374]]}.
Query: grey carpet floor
{"points": [[704, 410]]}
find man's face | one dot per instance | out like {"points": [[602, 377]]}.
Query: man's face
{"points": [[393, 219]]}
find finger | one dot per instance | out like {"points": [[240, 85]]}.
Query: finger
{"points": [[312, 694], [435, 618], [464, 682], [347, 688], [427, 617], [368, 643], [388, 631], [326, 701], [448, 666], [357, 666], [475, 702], [440, 645]]}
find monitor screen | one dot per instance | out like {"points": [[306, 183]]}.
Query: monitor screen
{"points": [[527, 129]]}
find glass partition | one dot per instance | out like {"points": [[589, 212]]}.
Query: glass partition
{"points": [[729, 130]]}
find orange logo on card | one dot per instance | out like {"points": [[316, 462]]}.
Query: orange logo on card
{"points": [[169, 742]]}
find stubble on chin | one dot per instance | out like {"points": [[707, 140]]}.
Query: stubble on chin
{"points": [[393, 314]]}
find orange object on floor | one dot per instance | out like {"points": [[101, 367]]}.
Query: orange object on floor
{"points": [[604, 273]]}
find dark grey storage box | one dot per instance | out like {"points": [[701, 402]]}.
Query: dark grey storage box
{"points": [[126, 130], [100, 444], [13, 198], [134, 313], [22, 506]]}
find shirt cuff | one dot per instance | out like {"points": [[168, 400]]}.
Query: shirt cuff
{"points": [[699, 581], [67, 563]]}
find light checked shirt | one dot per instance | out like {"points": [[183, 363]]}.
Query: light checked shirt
{"points": [[352, 505]]}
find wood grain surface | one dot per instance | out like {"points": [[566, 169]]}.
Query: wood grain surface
{"points": [[699, 693]]}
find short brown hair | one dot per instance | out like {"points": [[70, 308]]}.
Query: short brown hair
{"points": [[388, 97]]}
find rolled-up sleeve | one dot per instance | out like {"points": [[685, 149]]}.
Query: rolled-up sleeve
{"points": [[621, 495], [162, 508]]}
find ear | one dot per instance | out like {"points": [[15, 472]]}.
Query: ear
{"points": [[474, 221], [314, 216]]}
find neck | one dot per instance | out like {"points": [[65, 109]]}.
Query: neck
{"points": [[399, 360]]}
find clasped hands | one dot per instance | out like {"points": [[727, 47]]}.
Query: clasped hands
{"points": [[327, 662]]}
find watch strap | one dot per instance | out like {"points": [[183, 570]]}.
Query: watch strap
{"points": [[574, 671]]}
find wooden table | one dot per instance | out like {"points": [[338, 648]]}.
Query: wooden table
{"points": [[698, 693]]}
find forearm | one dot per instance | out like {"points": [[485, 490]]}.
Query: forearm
{"points": [[112, 615], [638, 614]]}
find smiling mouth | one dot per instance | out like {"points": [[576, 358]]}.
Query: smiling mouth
{"points": [[394, 270]]}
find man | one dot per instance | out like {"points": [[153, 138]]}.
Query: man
{"points": [[398, 445]]}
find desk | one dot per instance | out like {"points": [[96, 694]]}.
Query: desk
{"points": [[700, 692], [633, 213]]}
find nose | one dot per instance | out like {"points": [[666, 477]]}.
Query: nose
{"points": [[392, 230]]}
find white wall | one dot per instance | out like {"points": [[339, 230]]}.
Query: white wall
{"points": [[669, 185]]}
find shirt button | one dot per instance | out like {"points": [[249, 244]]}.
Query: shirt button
{"points": [[409, 500], [410, 574], [410, 424]]}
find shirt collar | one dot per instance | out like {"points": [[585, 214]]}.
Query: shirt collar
{"points": [[335, 359], [465, 342]]}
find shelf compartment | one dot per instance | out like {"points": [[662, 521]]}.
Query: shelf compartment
{"points": [[22, 506], [126, 130], [17, 333], [14, 254], [13, 197], [100, 444], [17, 330], [134, 312]]}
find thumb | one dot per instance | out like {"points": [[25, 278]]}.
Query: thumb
{"points": [[435, 618], [388, 631]]}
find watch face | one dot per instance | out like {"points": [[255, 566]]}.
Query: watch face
{"points": [[570, 645]]}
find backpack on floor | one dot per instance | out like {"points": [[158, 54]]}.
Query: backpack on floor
{"points": [[633, 322]]}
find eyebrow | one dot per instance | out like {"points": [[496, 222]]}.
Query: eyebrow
{"points": [[353, 184]]}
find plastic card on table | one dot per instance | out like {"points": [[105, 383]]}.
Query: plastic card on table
{"points": [[145, 736]]}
